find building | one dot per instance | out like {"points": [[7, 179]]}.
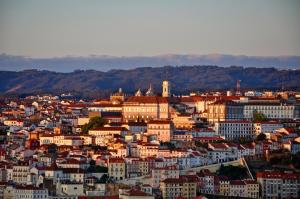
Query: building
{"points": [[275, 184], [267, 127], [116, 168], [232, 130], [295, 147], [238, 189], [166, 89], [184, 186], [252, 189], [272, 110], [134, 193], [162, 129], [145, 108], [30, 192], [108, 132], [224, 110], [184, 121], [21, 172], [162, 173]]}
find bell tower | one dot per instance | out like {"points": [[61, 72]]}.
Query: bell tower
{"points": [[166, 89]]}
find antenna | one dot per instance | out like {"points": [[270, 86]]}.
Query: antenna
{"points": [[238, 87]]}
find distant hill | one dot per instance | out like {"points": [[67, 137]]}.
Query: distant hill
{"points": [[106, 63], [183, 79]]}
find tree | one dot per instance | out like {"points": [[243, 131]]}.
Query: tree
{"points": [[261, 137], [233, 172], [92, 162], [170, 145], [296, 160], [95, 122], [259, 117]]}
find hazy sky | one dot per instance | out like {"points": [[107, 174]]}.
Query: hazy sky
{"points": [[41, 28]]}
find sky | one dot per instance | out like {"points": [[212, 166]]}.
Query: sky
{"points": [[57, 28]]}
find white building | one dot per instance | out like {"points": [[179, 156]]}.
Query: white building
{"points": [[270, 110], [275, 184], [30, 192], [232, 130], [266, 127]]}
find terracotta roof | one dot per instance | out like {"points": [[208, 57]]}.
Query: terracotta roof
{"points": [[219, 145], [112, 128], [237, 182], [160, 122], [146, 99], [136, 192], [116, 160], [278, 175]]}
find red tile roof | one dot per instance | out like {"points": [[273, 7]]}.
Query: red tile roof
{"points": [[147, 99], [278, 175]]}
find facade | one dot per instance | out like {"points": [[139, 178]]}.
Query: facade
{"points": [[145, 108], [116, 168], [62, 140], [162, 173], [266, 127], [166, 89], [108, 132], [275, 184], [184, 186], [295, 147], [224, 110], [232, 130], [162, 129], [21, 172], [270, 110], [30, 192], [183, 121]]}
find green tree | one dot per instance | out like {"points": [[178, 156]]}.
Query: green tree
{"points": [[259, 117], [92, 162], [95, 122], [170, 145], [233, 172]]}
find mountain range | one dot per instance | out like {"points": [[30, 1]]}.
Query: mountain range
{"points": [[106, 63], [183, 79]]}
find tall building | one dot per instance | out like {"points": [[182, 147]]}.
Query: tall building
{"points": [[166, 89]]}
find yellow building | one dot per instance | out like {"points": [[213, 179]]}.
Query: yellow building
{"points": [[224, 187], [145, 108], [184, 186], [183, 121], [252, 188]]}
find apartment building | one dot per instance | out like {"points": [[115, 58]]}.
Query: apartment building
{"points": [[184, 186], [116, 168], [162, 129], [276, 184]]}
